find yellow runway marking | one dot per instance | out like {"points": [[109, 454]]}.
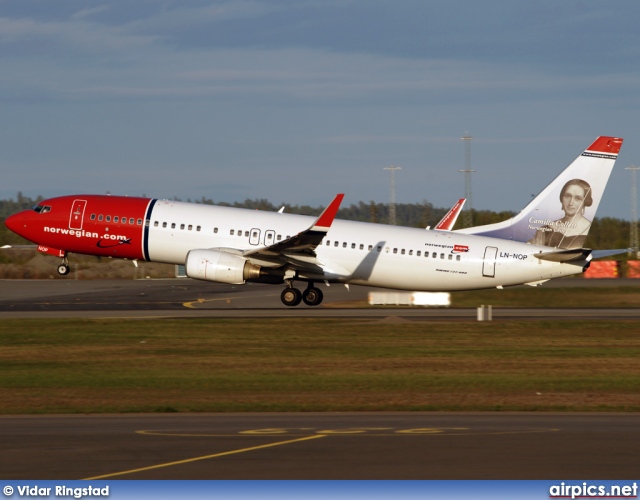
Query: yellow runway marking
{"points": [[192, 304], [354, 432], [206, 457]]}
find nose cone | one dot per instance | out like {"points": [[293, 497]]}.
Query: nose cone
{"points": [[15, 222]]}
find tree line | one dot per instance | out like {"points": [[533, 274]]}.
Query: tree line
{"points": [[606, 232]]}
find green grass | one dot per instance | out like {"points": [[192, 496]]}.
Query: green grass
{"points": [[53, 366], [614, 296]]}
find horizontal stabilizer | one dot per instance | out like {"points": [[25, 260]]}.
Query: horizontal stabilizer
{"points": [[598, 254], [578, 254], [565, 255]]}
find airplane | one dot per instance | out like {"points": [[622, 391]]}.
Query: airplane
{"points": [[235, 246]]}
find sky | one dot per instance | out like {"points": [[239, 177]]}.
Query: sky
{"points": [[297, 100]]}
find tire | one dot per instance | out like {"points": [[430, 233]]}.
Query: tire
{"points": [[291, 297], [312, 296]]}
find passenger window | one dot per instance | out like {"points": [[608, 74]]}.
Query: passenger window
{"points": [[215, 230], [164, 224], [124, 220], [418, 253], [181, 226], [190, 227], [132, 221], [442, 256], [328, 243], [379, 248], [100, 217], [344, 245], [336, 244], [361, 246], [173, 225], [457, 257], [198, 228], [353, 245], [232, 232], [395, 250], [370, 247], [93, 216], [246, 233], [434, 255], [115, 219], [279, 237], [108, 218], [450, 257], [139, 222], [402, 251], [155, 224]]}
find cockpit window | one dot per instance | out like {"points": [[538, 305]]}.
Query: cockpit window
{"points": [[41, 209]]}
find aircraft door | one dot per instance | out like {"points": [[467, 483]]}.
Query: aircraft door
{"points": [[269, 237], [77, 214], [254, 239], [489, 263]]}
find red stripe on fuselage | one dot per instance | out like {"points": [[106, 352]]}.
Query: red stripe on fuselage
{"points": [[97, 235]]}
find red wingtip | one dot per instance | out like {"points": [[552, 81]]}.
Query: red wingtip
{"points": [[606, 144]]}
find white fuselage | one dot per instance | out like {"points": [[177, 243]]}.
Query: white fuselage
{"points": [[356, 252]]}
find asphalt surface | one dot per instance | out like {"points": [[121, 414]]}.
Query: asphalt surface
{"points": [[321, 446], [191, 298]]}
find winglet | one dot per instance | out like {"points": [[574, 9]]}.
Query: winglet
{"points": [[448, 221], [323, 223]]}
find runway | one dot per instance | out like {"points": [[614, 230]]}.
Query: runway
{"points": [[186, 298], [321, 446]]}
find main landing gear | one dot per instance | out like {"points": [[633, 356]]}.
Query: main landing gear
{"points": [[312, 296]]}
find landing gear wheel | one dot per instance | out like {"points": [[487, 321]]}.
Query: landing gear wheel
{"points": [[291, 297], [63, 269], [312, 296]]}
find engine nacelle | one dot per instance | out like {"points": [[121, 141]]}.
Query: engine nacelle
{"points": [[223, 267]]}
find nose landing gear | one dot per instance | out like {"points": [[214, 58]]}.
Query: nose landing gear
{"points": [[312, 296], [63, 269]]}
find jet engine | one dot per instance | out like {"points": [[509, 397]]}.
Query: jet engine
{"points": [[223, 267]]}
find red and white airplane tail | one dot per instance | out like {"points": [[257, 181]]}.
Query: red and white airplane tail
{"points": [[560, 216]]}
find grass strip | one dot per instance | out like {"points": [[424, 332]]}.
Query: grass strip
{"points": [[70, 366]]}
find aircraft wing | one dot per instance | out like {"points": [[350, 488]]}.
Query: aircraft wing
{"points": [[299, 249], [449, 220]]}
